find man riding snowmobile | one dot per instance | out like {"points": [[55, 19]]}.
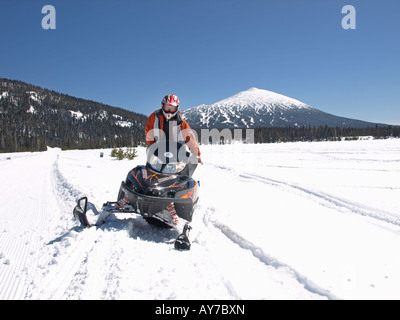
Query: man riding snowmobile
{"points": [[167, 126], [162, 191]]}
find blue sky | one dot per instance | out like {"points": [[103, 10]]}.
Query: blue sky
{"points": [[131, 53]]}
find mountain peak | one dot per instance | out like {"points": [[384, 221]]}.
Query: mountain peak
{"points": [[255, 107], [259, 98], [253, 89]]}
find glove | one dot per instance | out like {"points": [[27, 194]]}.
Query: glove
{"points": [[199, 160]]}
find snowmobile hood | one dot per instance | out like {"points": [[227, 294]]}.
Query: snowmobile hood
{"points": [[148, 178], [148, 182]]}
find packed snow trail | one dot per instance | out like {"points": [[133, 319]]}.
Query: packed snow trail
{"points": [[28, 214]]}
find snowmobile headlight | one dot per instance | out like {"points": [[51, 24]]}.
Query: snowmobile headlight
{"points": [[155, 163], [180, 166], [174, 167]]}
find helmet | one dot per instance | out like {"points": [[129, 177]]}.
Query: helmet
{"points": [[170, 105]]}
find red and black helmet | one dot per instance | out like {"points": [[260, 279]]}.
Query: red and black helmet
{"points": [[170, 106]]}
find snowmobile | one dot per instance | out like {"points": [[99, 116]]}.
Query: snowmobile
{"points": [[162, 192]]}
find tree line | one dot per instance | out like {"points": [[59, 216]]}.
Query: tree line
{"points": [[309, 134], [32, 118], [322, 133]]}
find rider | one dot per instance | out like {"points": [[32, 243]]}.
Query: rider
{"points": [[167, 123]]}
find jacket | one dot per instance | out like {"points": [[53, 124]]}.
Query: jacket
{"points": [[177, 129]]}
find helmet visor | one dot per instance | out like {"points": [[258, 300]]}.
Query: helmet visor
{"points": [[169, 108]]}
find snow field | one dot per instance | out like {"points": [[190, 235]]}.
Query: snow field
{"points": [[274, 221]]}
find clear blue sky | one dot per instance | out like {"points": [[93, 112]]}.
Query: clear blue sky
{"points": [[130, 53]]}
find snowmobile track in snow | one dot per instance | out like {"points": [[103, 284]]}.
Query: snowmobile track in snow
{"points": [[59, 280], [327, 200], [262, 256]]}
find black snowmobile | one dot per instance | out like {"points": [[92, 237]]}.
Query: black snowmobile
{"points": [[162, 192]]}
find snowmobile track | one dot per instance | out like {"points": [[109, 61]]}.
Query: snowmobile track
{"points": [[60, 279], [264, 257], [322, 198], [327, 200]]}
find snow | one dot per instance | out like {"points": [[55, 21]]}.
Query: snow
{"points": [[123, 123], [299, 220], [103, 115], [259, 98], [4, 95], [77, 114], [33, 95], [31, 109]]}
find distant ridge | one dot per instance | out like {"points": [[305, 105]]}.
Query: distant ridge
{"points": [[32, 118]]}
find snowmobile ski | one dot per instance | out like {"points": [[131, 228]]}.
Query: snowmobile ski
{"points": [[80, 212], [182, 242]]}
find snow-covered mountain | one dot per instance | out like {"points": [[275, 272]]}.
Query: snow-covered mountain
{"points": [[262, 108]]}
